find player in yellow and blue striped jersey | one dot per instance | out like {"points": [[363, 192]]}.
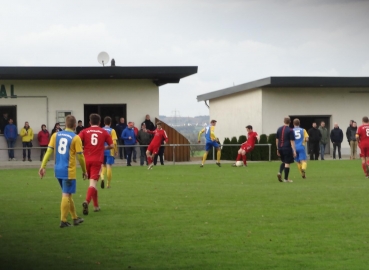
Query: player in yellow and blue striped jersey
{"points": [[67, 146], [301, 137], [211, 141], [109, 155]]}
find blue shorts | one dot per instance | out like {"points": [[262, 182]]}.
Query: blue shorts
{"points": [[68, 185], [211, 144], [109, 160], [300, 154]]}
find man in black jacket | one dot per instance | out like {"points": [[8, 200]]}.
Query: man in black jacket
{"points": [[348, 131], [314, 139], [149, 125], [119, 129], [336, 139]]}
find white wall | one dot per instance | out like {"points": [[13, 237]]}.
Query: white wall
{"points": [[341, 105], [141, 97], [235, 112]]}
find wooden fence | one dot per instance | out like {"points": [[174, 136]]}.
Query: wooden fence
{"points": [[182, 153]]}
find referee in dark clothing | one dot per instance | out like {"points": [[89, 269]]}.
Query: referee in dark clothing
{"points": [[286, 149]]}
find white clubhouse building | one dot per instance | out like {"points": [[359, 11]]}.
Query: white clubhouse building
{"points": [[45, 95], [264, 103]]}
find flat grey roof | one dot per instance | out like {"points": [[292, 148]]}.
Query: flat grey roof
{"points": [[289, 82], [159, 75]]}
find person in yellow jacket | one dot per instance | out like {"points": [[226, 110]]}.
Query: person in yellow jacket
{"points": [[27, 137]]}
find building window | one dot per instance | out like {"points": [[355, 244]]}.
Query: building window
{"points": [[60, 117]]}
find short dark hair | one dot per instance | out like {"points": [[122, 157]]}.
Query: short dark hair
{"points": [[79, 121], [296, 122], [158, 123], [287, 120], [365, 119], [95, 119], [107, 120], [43, 125], [249, 126], [70, 121]]}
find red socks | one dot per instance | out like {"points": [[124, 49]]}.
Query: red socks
{"points": [[364, 167], [149, 160], [238, 157], [92, 193]]}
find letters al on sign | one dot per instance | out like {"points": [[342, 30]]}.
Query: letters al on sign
{"points": [[4, 94]]}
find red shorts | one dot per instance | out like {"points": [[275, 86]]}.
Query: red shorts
{"points": [[154, 149], [93, 169], [248, 148], [364, 150]]}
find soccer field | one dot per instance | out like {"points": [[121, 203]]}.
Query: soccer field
{"points": [[186, 217]]}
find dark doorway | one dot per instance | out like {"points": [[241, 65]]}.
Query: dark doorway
{"points": [[115, 111], [306, 122], [12, 113]]}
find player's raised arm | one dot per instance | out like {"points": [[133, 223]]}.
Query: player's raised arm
{"points": [[199, 135]]}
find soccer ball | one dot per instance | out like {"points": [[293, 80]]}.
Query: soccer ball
{"points": [[239, 163]]}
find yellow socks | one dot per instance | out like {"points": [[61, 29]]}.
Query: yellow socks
{"points": [[109, 174], [102, 175], [219, 153], [64, 208], [72, 208], [204, 157], [304, 165]]}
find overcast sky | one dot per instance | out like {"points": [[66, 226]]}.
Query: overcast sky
{"points": [[232, 42]]}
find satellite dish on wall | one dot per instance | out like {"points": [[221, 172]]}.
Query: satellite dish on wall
{"points": [[103, 58]]}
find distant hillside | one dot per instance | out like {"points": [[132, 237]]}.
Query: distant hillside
{"points": [[188, 127], [197, 121]]}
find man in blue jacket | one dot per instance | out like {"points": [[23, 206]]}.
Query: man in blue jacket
{"points": [[129, 138], [11, 134]]}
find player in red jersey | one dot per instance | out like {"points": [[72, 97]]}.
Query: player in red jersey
{"points": [[362, 136], [247, 146], [154, 146], [94, 139]]}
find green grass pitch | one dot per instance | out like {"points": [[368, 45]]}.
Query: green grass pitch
{"points": [[186, 217]]}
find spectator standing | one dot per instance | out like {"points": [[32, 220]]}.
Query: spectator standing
{"points": [[336, 139], [314, 139], [353, 141], [143, 139], [43, 140], [3, 122], [324, 139], [10, 134], [27, 136], [80, 127], [56, 128], [134, 150], [348, 131], [119, 130], [149, 125], [129, 138]]}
